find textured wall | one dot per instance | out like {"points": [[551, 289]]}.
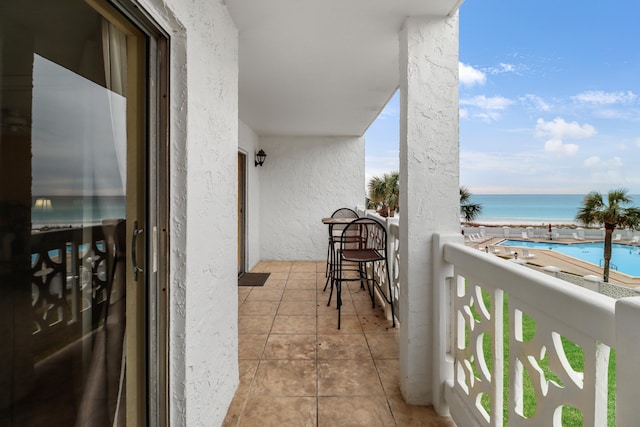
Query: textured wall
{"points": [[203, 353], [303, 180]]}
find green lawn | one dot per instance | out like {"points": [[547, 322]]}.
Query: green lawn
{"points": [[570, 416]]}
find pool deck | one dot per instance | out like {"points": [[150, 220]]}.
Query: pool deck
{"points": [[544, 258]]}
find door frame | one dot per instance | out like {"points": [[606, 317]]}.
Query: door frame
{"points": [[242, 212], [147, 340]]}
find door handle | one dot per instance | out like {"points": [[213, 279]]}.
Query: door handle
{"points": [[134, 260]]}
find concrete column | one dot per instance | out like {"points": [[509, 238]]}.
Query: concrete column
{"points": [[429, 179]]}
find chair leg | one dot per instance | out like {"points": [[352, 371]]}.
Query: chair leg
{"points": [[393, 314], [339, 290]]}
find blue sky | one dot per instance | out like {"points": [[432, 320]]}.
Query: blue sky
{"points": [[549, 98]]}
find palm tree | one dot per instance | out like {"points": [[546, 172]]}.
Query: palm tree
{"points": [[469, 211], [384, 193], [614, 213]]}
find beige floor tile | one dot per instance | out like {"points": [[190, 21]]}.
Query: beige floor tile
{"points": [[299, 295], [285, 378], [321, 281], [383, 346], [339, 346], [247, 369], [265, 294], [269, 411], [275, 284], [354, 412], [251, 346], [377, 323], [254, 324], [297, 308], [416, 415], [278, 266], [348, 378], [305, 276], [325, 310], [389, 373], [258, 308], [290, 347], [301, 284], [278, 275], [349, 324], [260, 267], [243, 291], [235, 411], [294, 325], [303, 267]]}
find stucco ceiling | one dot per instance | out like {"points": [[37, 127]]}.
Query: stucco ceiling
{"points": [[320, 67]]}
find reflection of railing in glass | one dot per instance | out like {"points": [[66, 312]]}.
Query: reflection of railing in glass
{"points": [[69, 281], [78, 313]]}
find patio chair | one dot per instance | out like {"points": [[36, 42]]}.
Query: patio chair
{"points": [[363, 243], [527, 254], [335, 231]]}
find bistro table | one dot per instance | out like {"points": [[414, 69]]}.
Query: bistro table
{"points": [[331, 256], [343, 221]]}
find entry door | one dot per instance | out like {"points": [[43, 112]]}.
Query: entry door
{"points": [[73, 198], [242, 161]]}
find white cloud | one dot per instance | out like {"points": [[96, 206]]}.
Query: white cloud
{"points": [[491, 103], [502, 68], [537, 102], [464, 113], [559, 129], [470, 76], [557, 146], [598, 97], [596, 162], [485, 108]]}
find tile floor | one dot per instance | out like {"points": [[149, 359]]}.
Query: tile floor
{"points": [[298, 369]]}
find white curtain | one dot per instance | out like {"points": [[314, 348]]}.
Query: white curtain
{"points": [[114, 51]]}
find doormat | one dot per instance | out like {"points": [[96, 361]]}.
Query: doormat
{"points": [[253, 279]]}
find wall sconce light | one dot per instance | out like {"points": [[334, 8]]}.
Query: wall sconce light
{"points": [[260, 156]]}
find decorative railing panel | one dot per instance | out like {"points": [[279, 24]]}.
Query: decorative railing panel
{"points": [[546, 318], [69, 276], [393, 258]]}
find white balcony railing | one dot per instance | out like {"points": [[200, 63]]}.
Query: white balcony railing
{"points": [[478, 295], [393, 258]]}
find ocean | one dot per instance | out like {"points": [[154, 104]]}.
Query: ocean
{"points": [[531, 209], [65, 211]]}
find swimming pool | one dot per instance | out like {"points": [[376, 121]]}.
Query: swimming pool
{"points": [[624, 258]]}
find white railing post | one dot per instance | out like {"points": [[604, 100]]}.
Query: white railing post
{"points": [[442, 321], [627, 351]]}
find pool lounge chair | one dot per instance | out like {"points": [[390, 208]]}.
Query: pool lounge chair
{"points": [[525, 235], [635, 239], [617, 237], [576, 237], [526, 254]]}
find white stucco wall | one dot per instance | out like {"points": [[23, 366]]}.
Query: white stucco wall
{"points": [[303, 180], [248, 143], [203, 336]]}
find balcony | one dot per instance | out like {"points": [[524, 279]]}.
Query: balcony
{"points": [[296, 366]]}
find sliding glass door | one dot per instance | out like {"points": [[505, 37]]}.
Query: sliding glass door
{"points": [[74, 195]]}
